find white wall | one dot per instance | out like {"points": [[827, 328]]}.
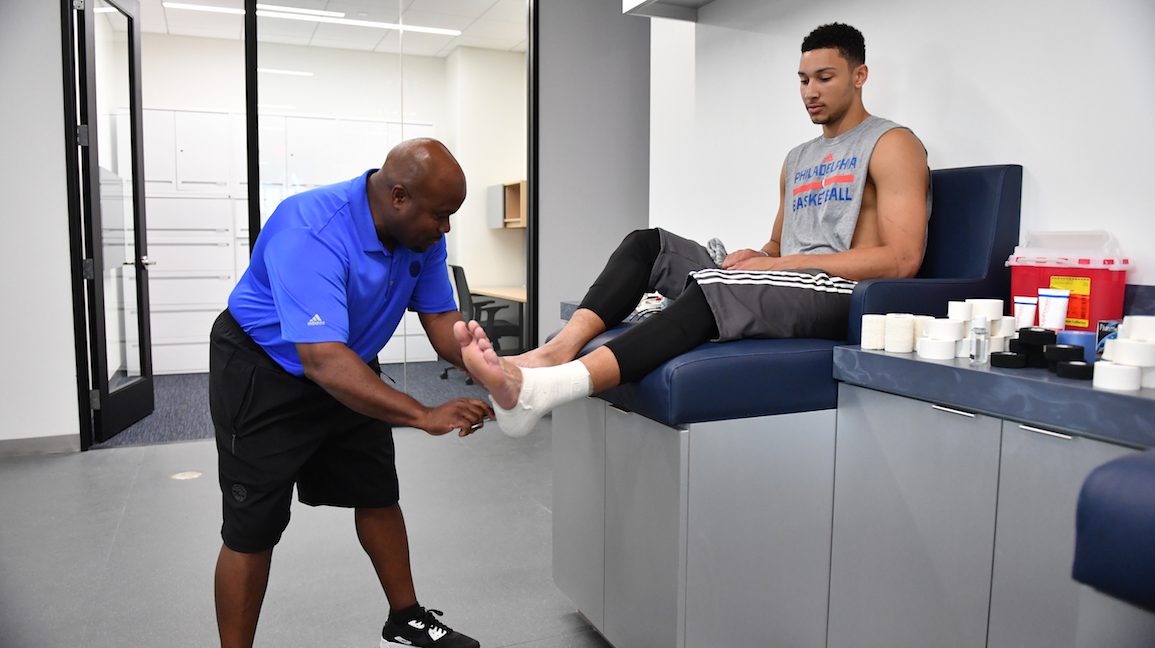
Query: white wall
{"points": [[593, 143], [39, 378], [1060, 89], [487, 122]]}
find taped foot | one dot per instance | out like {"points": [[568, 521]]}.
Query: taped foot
{"points": [[542, 389]]}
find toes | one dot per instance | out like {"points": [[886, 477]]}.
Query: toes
{"points": [[461, 332]]}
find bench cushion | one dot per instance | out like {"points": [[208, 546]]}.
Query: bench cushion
{"points": [[729, 380], [1115, 530]]}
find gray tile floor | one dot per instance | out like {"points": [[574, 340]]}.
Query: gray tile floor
{"points": [[104, 548]]}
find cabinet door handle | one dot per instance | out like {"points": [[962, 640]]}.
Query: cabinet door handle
{"points": [[1046, 432], [953, 411]]}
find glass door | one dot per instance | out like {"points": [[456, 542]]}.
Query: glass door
{"points": [[116, 261]]}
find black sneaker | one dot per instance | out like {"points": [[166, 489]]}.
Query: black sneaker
{"points": [[425, 631]]}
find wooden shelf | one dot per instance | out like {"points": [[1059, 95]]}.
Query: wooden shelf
{"points": [[507, 203]]}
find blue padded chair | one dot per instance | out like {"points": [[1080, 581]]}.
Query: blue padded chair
{"points": [[1115, 530], [974, 226]]}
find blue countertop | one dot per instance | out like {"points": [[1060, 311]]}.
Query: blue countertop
{"points": [[1030, 396]]}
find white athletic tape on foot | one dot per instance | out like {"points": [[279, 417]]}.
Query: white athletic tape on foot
{"points": [[542, 390]]}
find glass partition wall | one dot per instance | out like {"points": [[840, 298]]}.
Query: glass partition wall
{"points": [[340, 82]]}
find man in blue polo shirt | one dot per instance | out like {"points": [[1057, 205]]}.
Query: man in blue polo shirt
{"points": [[295, 388]]}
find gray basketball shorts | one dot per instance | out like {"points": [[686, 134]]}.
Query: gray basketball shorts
{"points": [[808, 303]]}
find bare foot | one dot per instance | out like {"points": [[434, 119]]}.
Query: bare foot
{"points": [[539, 357], [500, 378]]}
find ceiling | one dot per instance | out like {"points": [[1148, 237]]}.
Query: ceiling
{"points": [[487, 24]]}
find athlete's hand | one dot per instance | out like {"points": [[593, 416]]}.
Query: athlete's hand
{"points": [[466, 415], [734, 258], [757, 263]]}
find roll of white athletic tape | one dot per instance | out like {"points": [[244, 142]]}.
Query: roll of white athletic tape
{"points": [[1140, 327], [1109, 349], [1147, 380], [935, 349], [998, 343], [874, 332], [992, 308], [1109, 375], [899, 333], [962, 348], [958, 311], [1006, 328], [944, 329], [1136, 353], [920, 325]]}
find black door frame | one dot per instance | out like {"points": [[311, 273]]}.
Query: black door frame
{"points": [[101, 411]]}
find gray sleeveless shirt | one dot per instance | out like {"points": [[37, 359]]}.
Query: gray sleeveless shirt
{"points": [[825, 179]]}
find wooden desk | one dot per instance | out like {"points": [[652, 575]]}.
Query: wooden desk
{"points": [[514, 294]]}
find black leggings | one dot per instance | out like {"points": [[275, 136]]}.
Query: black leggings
{"points": [[682, 325]]}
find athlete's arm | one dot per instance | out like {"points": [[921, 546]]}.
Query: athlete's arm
{"points": [[342, 373], [773, 247], [899, 172]]}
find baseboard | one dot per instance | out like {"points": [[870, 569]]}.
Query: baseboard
{"points": [[39, 445]]}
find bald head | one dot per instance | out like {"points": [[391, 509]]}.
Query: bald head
{"points": [[413, 194]]}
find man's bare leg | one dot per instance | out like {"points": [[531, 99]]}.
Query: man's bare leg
{"points": [[241, 579], [520, 404], [383, 537], [583, 326]]}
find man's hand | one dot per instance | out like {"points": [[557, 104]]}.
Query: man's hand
{"points": [[466, 415], [758, 263], [734, 258]]}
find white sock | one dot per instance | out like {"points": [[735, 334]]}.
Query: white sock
{"points": [[543, 389]]}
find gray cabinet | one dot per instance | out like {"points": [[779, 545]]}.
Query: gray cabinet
{"points": [[758, 553], [1034, 601], [579, 504], [914, 523], [645, 531]]}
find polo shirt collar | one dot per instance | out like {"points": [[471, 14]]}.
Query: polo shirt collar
{"points": [[362, 216]]}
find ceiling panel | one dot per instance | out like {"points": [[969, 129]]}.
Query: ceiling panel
{"points": [[492, 24], [376, 10], [346, 37], [206, 25], [152, 17], [441, 20], [497, 30], [425, 44], [459, 7], [509, 10], [269, 29]]}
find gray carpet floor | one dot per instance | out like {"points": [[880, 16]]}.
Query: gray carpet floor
{"points": [[182, 402]]}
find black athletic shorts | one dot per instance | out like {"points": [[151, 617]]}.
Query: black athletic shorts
{"points": [[274, 430]]}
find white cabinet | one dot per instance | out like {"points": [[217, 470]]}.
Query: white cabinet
{"points": [[159, 150], [202, 151], [408, 344]]}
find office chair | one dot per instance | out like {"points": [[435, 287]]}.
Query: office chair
{"points": [[486, 315]]}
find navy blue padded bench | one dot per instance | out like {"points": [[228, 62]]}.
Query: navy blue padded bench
{"points": [[973, 229], [1115, 530], [694, 507]]}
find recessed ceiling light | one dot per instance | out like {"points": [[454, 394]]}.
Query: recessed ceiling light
{"points": [[359, 23], [285, 72], [209, 8], [307, 12]]}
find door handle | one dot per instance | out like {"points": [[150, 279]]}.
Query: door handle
{"points": [[143, 261]]}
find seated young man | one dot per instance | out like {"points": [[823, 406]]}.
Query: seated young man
{"points": [[854, 204]]}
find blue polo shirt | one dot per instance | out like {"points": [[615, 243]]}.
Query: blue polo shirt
{"points": [[319, 273]]}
